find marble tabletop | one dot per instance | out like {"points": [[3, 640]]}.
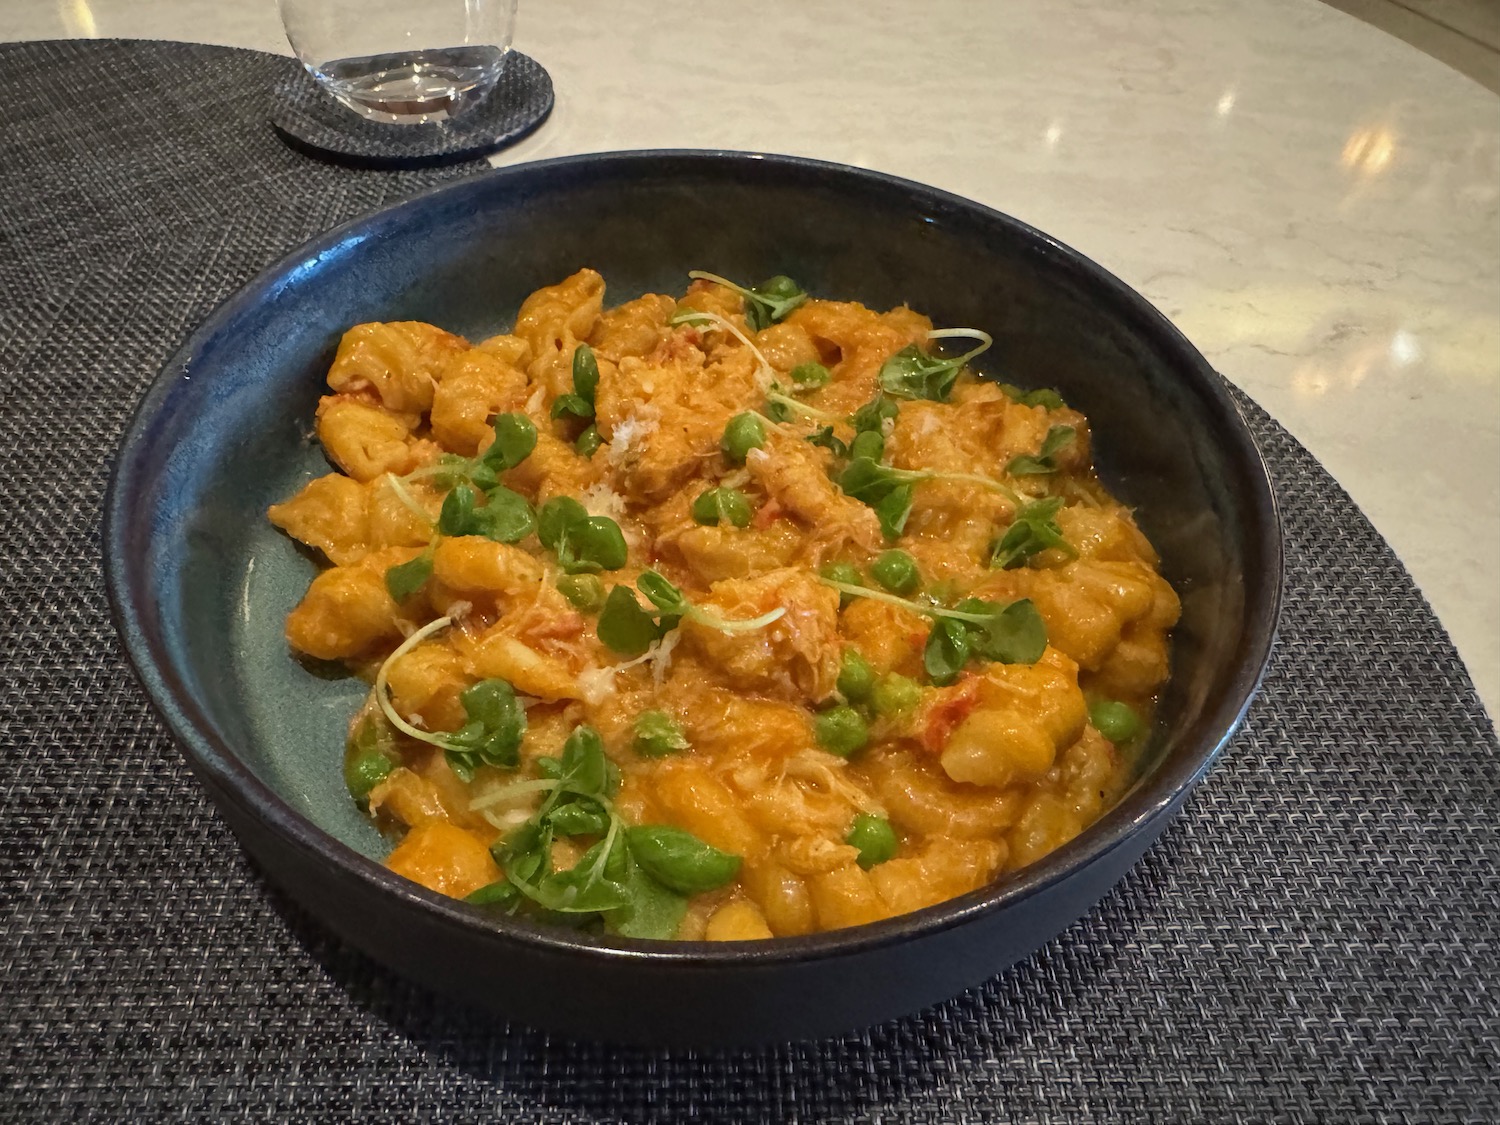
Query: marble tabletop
{"points": [[1315, 204]]}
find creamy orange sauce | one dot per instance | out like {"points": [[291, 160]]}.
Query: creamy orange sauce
{"points": [[976, 777]]}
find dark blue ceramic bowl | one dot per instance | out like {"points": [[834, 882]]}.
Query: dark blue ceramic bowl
{"points": [[201, 583]]}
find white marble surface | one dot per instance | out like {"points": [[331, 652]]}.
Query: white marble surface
{"points": [[1314, 203]]}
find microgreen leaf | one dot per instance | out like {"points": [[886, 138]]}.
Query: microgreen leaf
{"points": [[657, 734], [948, 649], [505, 516], [585, 373], [828, 440], [890, 490], [492, 736], [1044, 397], [1058, 438], [679, 860], [624, 626], [1011, 634], [665, 596], [572, 405], [672, 604], [914, 373], [766, 303], [515, 438], [874, 414], [405, 579], [555, 517], [807, 376], [651, 910], [582, 543], [1033, 531]]}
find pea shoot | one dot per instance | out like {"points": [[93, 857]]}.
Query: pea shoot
{"points": [[629, 629], [875, 839], [582, 543], [810, 376], [914, 373], [496, 719], [368, 756], [891, 491], [680, 860], [1033, 531], [624, 626], [722, 505], [1013, 633], [841, 730], [897, 571], [405, 579], [743, 433], [825, 437], [873, 415], [580, 403], [765, 304], [1045, 397], [634, 880], [505, 516], [657, 735], [1058, 438]]}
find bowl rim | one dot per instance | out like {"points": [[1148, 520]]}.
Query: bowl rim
{"points": [[229, 778]]}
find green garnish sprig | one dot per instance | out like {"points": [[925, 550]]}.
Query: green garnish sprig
{"points": [[634, 880], [630, 629], [580, 402], [890, 491], [1045, 397], [496, 719], [1044, 462], [1011, 633], [766, 304], [583, 543], [515, 438], [1033, 531], [914, 373], [505, 516]]}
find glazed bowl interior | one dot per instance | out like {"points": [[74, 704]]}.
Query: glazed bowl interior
{"points": [[202, 583]]}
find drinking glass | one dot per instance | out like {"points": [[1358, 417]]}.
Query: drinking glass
{"points": [[402, 61]]}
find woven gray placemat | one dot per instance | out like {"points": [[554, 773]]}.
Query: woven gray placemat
{"points": [[1316, 938]]}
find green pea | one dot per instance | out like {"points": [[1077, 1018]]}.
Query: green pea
{"points": [[744, 433], [588, 441], [856, 677], [365, 770], [844, 572], [810, 375], [868, 443], [584, 592], [734, 507], [840, 730], [897, 572], [657, 734], [874, 837], [894, 695], [1115, 721]]}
